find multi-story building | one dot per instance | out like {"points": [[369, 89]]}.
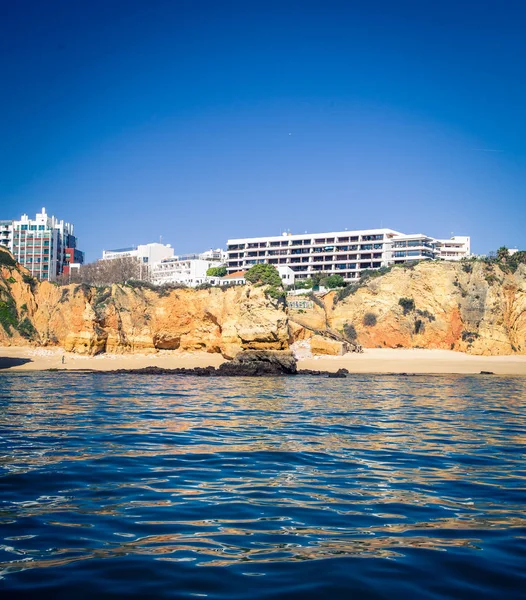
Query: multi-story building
{"points": [[73, 258], [403, 248], [456, 248], [347, 253], [145, 253], [6, 234], [42, 245], [188, 270]]}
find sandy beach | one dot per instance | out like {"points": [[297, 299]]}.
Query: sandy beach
{"points": [[16, 359]]}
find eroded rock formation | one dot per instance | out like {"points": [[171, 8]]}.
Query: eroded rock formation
{"points": [[129, 319], [474, 307], [471, 307]]}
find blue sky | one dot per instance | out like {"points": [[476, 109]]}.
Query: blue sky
{"points": [[200, 121]]}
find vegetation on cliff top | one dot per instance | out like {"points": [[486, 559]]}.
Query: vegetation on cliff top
{"points": [[264, 274]]}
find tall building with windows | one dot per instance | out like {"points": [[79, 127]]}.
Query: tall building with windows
{"points": [[347, 253], [44, 245]]}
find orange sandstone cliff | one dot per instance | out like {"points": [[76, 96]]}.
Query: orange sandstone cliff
{"points": [[475, 307], [471, 307], [121, 318]]}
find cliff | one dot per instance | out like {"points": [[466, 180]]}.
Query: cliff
{"points": [[122, 318], [474, 307]]}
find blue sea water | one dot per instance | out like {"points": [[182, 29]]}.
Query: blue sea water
{"points": [[119, 486]]}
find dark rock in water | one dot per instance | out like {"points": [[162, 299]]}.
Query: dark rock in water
{"points": [[487, 373], [253, 363], [340, 374], [200, 371]]}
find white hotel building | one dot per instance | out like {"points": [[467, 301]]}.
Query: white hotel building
{"points": [[187, 270], [346, 253], [144, 253]]}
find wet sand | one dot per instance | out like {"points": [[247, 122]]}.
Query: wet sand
{"points": [[16, 359]]}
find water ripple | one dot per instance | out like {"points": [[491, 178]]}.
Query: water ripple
{"points": [[369, 487]]}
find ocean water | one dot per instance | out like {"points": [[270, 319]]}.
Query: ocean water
{"points": [[117, 486]]}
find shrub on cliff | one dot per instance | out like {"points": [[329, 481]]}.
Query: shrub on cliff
{"points": [[305, 284], [349, 331], [345, 292], [516, 259], [408, 304], [140, 284], [369, 319], [264, 274], [333, 281], [8, 315], [27, 329]]}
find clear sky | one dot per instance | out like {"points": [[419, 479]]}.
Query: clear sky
{"points": [[200, 121]]}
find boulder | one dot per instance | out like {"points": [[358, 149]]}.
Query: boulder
{"points": [[260, 362], [321, 345]]}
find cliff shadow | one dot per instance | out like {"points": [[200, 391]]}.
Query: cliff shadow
{"points": [[7, 363]]}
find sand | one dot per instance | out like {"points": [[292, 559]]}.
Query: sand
{"points": [[16, 359], [403, 360], [40, 359]]}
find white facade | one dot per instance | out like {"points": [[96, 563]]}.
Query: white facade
{"points": [[288, 277], [188, 270], [145, 253], [456, 248], [236, 278], [218, 255], [403, 248], [346, 253]]}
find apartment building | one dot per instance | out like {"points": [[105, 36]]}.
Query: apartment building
{"points": [[145, 253], [44, 245], [347, 253]]}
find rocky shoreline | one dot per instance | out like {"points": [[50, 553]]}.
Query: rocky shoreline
{"points": [[211, 372], [250, 363]]}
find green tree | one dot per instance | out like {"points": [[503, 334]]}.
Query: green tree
{"points": [[268, 275], [264, 274], [334, 281], [503, 254], [216, 272]]}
